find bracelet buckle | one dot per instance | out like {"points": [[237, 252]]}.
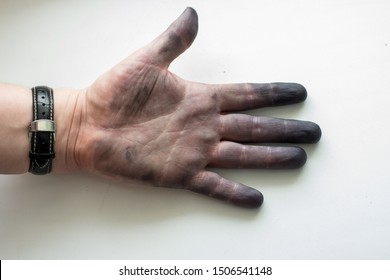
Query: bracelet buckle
{"points": [[43, 125]]}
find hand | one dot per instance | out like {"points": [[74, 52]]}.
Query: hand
{"points": [[140, 123]]}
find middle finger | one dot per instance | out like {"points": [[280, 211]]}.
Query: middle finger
{"points": [[245, 128]]}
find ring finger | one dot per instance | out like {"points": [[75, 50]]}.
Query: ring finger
{"points": [[234, 155]]}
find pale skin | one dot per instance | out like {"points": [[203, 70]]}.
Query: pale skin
{"points": [[141, 124]]}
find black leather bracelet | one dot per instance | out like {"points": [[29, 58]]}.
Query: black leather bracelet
{"points": [[42, 131]]}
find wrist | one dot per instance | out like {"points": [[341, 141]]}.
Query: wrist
{"points": [[68, 116]]}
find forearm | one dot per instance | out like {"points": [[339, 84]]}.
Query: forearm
{"points": [[15, 118]]}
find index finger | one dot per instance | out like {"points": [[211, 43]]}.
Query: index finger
{"points": [[246, 96]]}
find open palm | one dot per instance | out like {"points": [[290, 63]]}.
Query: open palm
{"points": [[144, 124]]}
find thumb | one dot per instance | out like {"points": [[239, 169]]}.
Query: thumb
{"points": [[175, 40]]}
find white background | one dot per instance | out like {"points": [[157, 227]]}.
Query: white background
{"points": [[336, 207], [279, 269]]}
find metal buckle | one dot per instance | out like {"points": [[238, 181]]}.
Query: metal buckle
{"points": [[42, 125]]}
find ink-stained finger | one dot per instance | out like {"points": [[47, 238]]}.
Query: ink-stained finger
{"points": [[213, 185], [234, 155], [238, 97], [175, 40], [245, 128]]}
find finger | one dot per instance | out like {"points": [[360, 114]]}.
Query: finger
{"points": [[234, 155], [245, 128], [173, 41], [236, 97], [213, 185]]}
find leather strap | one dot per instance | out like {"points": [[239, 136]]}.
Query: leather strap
{"points": [[42, 131]]}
